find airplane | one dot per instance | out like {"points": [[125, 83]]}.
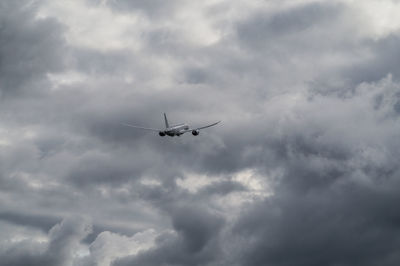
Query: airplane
{"points": [[175, 130]]}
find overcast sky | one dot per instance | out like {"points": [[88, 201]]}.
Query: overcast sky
{"points": [[303, 170]]}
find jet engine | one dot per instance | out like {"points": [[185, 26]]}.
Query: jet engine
{"points": [[162, 134], [195, 132]]}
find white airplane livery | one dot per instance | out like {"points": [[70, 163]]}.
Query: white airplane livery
{"points": [[175, 130]]}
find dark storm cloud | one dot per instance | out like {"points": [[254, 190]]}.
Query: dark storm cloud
{"points": [[197, 226], [29, 48], [80, 145], [43, 222], [170, 250], [195, 244], [330, 158], [46, 222], [346, 225], [63, 240], [385, 60], [152, 8], [101, 63], [262, 28], [335, 204], [99, 169]]}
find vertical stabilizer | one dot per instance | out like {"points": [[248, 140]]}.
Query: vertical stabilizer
{"points": [[166, 121]]}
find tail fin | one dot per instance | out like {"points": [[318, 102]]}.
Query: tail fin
{"points": [[166, 121]]}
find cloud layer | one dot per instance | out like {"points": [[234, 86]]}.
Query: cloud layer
{"points": [[303, 170]]}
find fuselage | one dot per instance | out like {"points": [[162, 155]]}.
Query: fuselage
{"points": [[176, 130]]}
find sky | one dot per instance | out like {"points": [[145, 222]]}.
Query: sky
{"points": [[303, 169]]}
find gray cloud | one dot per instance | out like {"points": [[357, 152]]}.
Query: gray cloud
{"points": [[333, 205], [63, 241], [40, 221], [153, 8], [29, 48], [260, 29], [302, 170], [196, 242], [384, 61]]}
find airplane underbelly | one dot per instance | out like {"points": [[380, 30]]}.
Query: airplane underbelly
{"points": [[174, 132], [170, 133]]}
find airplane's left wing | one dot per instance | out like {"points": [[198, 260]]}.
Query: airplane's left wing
{"points": [[144, 128], [213, 124], [197, 129]]}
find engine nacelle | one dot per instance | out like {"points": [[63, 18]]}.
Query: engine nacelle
{"points": [[162, 134], [195, 132]]}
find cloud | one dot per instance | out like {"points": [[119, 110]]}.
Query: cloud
{"points": [[328, 206], [195, 243], [261, 28], [63, 241], [153, 8], [29, 49], [302, 170]]}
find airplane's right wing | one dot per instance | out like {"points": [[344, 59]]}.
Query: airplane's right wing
{"points": [[145, 128]]}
